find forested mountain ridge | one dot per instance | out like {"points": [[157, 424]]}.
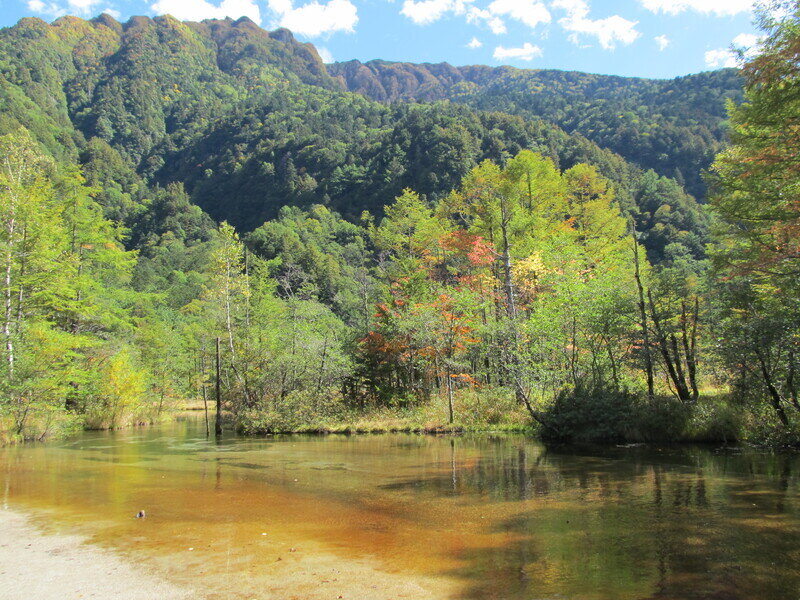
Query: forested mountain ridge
{"points": [[389, 81], [249, 121], [137, 82], [672, 126]]}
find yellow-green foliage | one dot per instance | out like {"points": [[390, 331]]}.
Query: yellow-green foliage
{"points": [[118, 397], [484, 409], [298, 411], [46, 365], [489, 409]]}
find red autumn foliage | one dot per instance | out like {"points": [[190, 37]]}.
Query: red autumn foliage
{"points": [[472, 246]]}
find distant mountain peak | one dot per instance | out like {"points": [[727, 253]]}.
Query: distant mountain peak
{"points": [[283, 35]]}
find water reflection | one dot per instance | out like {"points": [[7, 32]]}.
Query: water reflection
{"points": [[686, 523], [502, 516]]}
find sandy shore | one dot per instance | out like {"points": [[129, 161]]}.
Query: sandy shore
{"points": [[57, 567]]}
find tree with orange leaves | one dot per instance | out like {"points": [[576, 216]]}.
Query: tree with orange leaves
{"points": [[447, 327]]}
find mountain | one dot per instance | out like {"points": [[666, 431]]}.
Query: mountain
{"points": [[675, 127], [247, 121]]}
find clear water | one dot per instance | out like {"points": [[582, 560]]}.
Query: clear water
{"points": [[493, 517]]}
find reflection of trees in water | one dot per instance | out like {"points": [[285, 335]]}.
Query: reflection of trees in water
{"points": [[681, 524]]}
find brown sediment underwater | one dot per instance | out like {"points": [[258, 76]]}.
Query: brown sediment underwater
{"points": [[395, 516]]}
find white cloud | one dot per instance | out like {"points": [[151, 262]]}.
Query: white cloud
{"points": [[662, 42], [325, 55], [721, 58], [496, 24], [474, 44], [608, 31], [197, 10], [56, 9], [83, 6], [529, 12], [423, 12], [316, 18], [747, 43], [427, 11], [46, 8], [710, 7], [526, 52]]}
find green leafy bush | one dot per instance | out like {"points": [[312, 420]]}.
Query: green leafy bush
{"points": [[715, 419], [297, 412], [585, 414], [487, 408], [592, 414], [764, 429]]}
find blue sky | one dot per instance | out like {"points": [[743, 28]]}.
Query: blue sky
{"points": [[645, 38]]}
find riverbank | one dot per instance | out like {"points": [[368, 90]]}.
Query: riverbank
{"points": [[584, 416], [580, 417], [57, 565]]}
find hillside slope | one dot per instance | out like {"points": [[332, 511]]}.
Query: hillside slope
{"points": [[249, 121], [675, 127]]}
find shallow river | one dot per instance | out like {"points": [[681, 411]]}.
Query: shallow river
{"points": [[495, 517]]}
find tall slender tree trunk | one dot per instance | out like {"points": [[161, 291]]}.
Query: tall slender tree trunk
{"points": [[674, 368], [790, 384], [322, 366], [573, 355], [648, 359], [218, 420], [676, 353], [365, 307], [690, 345], [508, 280], [22, 268], [512, 347], [246, 354], [612, 361], [228, 310], [8, 297], [235, 366], [774, 394], [511, 312]]}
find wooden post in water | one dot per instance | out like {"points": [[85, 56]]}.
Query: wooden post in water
{"points": [[218, 422], [449, 391], [203, 386]]}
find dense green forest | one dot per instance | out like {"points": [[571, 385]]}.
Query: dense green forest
{"points": [[249, 121], [501, 248], [674, 127]]}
